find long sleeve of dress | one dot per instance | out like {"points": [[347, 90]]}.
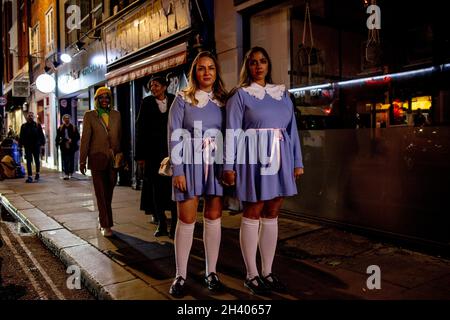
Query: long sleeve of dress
{"points": [[234, 119], [295, 140], [176, 117]]}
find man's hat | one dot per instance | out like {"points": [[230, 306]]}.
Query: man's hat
{"points": [[102, 90]]}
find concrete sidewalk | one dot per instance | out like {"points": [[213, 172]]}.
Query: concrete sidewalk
{"points": [[316, 262]]}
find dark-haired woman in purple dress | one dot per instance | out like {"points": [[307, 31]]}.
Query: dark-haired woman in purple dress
{"points": [[263, 160]]}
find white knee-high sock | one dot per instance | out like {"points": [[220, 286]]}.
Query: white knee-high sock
{"points": [[248, 238], [184, 235], [212, 233], [268, 236]]}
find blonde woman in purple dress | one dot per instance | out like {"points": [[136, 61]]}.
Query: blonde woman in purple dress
{"points": [[196, 121], [263, 161]]}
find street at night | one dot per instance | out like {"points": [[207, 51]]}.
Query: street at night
{"points": [[246, 154]]}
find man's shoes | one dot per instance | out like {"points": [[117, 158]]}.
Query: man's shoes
{"points": [[36, 177], [274, 283], [29, 180], [257, 286], [106, 232], [213, 283], [66, 177], [177, 288], [160, 232]]}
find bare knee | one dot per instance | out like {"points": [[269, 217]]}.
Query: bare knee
{"points": [[213, 208], [253, 210]]}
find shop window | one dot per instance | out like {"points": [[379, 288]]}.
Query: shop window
{"points": [[49, 32], [422, 103], [90, 15], [34, 44]]}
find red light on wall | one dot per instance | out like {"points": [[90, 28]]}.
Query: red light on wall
{"points": [[385, 80]]}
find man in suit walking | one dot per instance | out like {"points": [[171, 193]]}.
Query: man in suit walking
{"points": [[100, 145]]}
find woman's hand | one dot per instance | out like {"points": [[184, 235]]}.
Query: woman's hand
{"points": [[298, 172], [228, 178], [179, 182]]}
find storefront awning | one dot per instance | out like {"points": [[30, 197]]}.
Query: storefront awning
{"points": [[156, 63]]}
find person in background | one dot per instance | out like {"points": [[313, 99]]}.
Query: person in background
{"points": [[151, 149], [100, 145], [67, 137], [32, 139]]}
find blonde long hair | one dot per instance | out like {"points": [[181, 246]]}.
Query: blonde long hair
{"points": [[219, 91]]}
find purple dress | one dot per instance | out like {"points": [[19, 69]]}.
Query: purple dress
{"points": [[195, 140], [266, 150]]}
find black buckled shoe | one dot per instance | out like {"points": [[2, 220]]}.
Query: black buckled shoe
{"points": [[177, 288], [274, 283], [213, 282], [257, 286]]}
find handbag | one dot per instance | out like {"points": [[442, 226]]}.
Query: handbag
{"points": [[165, 168]]}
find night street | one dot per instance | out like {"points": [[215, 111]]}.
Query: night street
{"points": [[29, 271], [194, 153]]}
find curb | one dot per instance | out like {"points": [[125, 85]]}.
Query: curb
{"points": [[117, 284]]}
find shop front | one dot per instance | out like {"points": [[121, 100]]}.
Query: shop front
{"points": [[153, 39]]}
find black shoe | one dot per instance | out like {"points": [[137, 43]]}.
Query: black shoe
{"points": [[36, 177], [29, 180], [177, 288], [161, 233], [274, 283], [257, 286], [213, 282]]}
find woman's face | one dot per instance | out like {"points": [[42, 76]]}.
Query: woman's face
{"points": [[104, 100], [157, 89], [205, 73], [258, 67]]}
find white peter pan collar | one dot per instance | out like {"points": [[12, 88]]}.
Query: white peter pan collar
{"points": [[202, 97], [259, 92]]}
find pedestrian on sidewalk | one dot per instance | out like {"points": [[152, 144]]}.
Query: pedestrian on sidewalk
{"points": [[67, 137], [100, 145], [197, 109], [151, 148], [265, 108], [32, 139]]}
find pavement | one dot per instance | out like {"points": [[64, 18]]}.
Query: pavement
{"points": [[316, 262]]}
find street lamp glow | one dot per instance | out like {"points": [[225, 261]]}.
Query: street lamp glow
{"points": [[45, 83], [66, 58]]}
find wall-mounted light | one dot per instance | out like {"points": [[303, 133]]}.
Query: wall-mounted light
{"points": [[45, 83]]}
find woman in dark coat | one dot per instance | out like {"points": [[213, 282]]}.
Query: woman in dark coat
{"points": [[151, 148]]}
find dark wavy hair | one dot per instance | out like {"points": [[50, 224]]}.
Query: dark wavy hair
{"points": [[245, 78]]}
